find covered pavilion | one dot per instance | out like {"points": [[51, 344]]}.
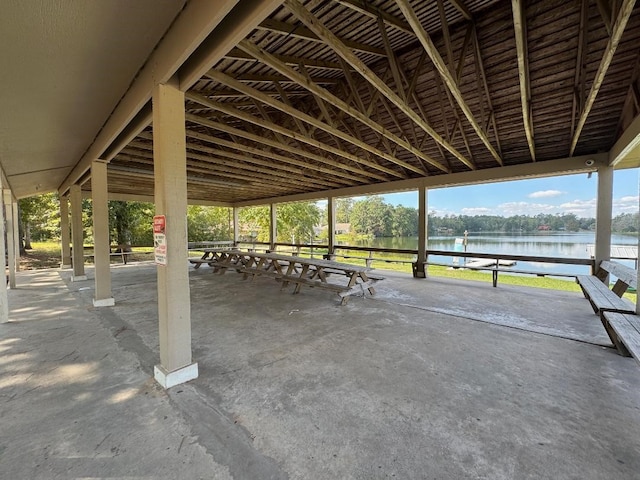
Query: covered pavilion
{"points": [[239, 103]]}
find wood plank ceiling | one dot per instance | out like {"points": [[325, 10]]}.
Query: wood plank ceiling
{"points": [[328, 94]]}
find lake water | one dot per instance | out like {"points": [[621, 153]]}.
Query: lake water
{"points": [[551, 244]]}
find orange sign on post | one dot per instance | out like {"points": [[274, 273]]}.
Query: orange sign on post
{"points": [[160, 239]]}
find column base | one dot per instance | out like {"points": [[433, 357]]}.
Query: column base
{"points": [[171, 379], [78, 278], [104, 302], [65, 266], [418, 270]]}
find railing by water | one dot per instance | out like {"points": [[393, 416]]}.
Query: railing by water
{"points": [[379, 255]]}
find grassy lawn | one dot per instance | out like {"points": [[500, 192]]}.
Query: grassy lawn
{"points": [[47, 255]]}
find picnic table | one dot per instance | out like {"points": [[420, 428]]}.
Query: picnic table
{"points": [[346, 279]]}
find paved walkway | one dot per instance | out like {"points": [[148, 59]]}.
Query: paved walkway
{"points": [[431, 379]]}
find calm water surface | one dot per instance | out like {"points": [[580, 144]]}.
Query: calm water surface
{"points": [[544, 244]]}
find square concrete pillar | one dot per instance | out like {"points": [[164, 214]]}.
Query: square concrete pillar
{"points": [[604, 213], [4, 300], [273, 226], [65, 232], [77, 233], [170, 173], [12, 224], [236, 227], [331, 226], [419, 268], [101, 243]]}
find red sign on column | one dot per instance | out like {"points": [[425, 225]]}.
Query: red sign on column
{"points": [[160, 239]]}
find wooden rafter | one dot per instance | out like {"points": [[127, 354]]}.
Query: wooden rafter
{"points": [[259, 78], [237, 54], [446, 75], [330, 39], [275, 159], [314, 88], [393, 61], [616, 34], [274, 127], [520, 28], [344, 169], [459, 5], [296, 31], [299, 115], [375, 13], [481, 73], [579, 77]]}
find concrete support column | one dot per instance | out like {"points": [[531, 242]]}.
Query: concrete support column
{"points": [[419, 270], [12, 223], [603, 214], [170, 173], [101, 242], [273, 227], [16, 233], [236, 229], [65, 233], [77, 233], [638, 259], [331, 225], [4, 300]]}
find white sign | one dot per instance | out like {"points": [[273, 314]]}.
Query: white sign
{"points": [[160, 239]]}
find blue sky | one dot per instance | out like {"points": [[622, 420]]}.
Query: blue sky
{"points": [[565, 194]]}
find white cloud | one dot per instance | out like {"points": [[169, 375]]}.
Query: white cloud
{"points": [[477, 211], [509, 209], [546, 194], [627, 204]]}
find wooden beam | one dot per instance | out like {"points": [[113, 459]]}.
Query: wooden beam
{"points": [[605, 11], [330, 39], [577, 101], [458, 5], [272, 168], [562, 166], [286, 161], [260, 78], [297, 114], [237, 54], [520, 28], [481, 72], [271, 126], [332, 99], [446, 75], [618, 29], [375, 13], [343, 169], [393, 63], [297, 31]]}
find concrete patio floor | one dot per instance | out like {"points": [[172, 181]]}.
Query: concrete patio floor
{"points": [[431, 379]]}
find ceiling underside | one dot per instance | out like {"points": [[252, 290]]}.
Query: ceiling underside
{"points": [[331, 94], [65, 66]]}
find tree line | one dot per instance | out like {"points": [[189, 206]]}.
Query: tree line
{"points": [[300, 222]]}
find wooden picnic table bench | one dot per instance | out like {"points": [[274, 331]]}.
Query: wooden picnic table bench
{"points": [[311, 272], [604, 300], [296, 270], [599, 294], [624, 331], [217, 258]]}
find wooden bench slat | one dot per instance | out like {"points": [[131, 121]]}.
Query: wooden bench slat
{"points": [[627, 330]]}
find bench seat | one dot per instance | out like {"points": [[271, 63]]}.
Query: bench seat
{"points": [[600, 297], [626, 332]]}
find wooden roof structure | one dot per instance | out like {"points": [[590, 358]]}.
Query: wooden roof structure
{"points": [[342, 95]]}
